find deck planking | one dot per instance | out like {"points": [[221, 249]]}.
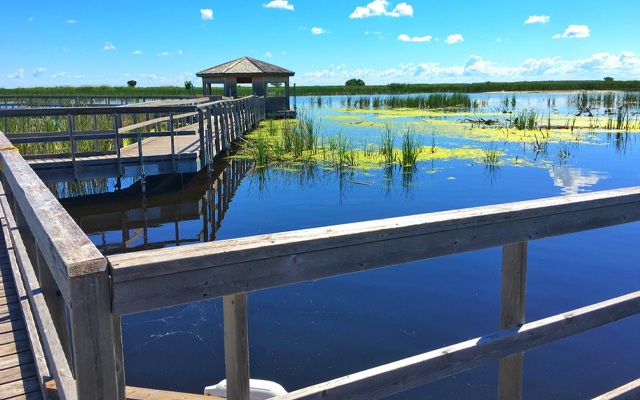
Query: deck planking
{"points": [[18, 374]]}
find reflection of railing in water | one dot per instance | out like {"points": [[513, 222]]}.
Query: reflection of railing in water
{"points": [[205, 197]]}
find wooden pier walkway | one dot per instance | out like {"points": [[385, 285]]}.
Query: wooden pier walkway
{"points": [[179, 136], [18, 372]]}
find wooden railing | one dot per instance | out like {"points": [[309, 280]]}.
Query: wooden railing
{"points": [[94, 291], [218, 124], [225, 121]]}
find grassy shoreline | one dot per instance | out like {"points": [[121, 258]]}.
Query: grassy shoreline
{"points": [[392, 88]]}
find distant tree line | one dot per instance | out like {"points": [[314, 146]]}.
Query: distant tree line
{"points": [[608, 83]]}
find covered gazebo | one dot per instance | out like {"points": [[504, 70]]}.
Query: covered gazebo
{"points": [[261, 75]]}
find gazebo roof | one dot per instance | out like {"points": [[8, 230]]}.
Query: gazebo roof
{"points": [[245, 66]]}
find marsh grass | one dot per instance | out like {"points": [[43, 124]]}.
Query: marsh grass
{"points": [[492, 155], [342, 151], [410, 149], [563, 152], [386, 145], [526, 120]]}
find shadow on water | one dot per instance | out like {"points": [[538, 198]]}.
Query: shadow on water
{"points": [[125, 220]]}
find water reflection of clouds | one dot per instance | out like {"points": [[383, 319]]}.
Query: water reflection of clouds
{"points": [[575, 180]]}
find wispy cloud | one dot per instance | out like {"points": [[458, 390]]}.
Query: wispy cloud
{"points": [[537, 19], [574, 32], [162, 54], [281, 4], [455, 38], [180, 52], [59, 75], [136, 52], [268, 54], [39, 72], [71, 21], [206, 14], [318, 31], [30, 19], [108, 46], [405, 38], [378, 8], [17, 75]]}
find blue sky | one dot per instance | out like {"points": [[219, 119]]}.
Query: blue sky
{"points": [[165, 42]]}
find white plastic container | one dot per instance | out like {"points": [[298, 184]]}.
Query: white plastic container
{"points": [[259, 389]]}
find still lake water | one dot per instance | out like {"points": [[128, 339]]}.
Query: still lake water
{"points": [[312, 332]]}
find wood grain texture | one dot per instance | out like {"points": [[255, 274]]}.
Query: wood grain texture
{"points": [[160, 278], [137, 393], [51, 345], [512, 314], [236, 345], [66, 249]]}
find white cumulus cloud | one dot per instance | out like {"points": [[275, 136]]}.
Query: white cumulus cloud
{"points": [[574, 32], [405, 38], [136, 52], [39, 72], [19, 74], [206, 14], [163, 54], [108, 46], [318, 31], [281, 4], [455, 38], [268, 54], [537, 19], [379, 8], [625, 65], [71, 21]]}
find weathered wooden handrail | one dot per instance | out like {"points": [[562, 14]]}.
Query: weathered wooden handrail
{"points": [[99, 110], [160, 278], [78, 271]]}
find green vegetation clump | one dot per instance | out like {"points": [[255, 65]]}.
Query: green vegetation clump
{"points": [[354, 82]]}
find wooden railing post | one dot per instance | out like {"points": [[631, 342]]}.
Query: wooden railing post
{"points": [[97, 367], [116, 143], [72, 143], [512, 313], [236, 346], [218, 130], [204, 161], [173, 144]]}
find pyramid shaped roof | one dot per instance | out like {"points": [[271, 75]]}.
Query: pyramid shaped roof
{"points": [[245, 66]]}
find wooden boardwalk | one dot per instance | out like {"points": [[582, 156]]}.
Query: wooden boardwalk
{"points": [[180, 138], [18, 372]]}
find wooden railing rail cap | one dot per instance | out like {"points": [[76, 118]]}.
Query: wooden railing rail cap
{"points": [[247, 249]]}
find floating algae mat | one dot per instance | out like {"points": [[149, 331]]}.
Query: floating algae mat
{"points": [[352, 138]]}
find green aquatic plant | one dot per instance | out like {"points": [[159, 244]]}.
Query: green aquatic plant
{"points": [[386, 145], [492, 155], [410, 149]]}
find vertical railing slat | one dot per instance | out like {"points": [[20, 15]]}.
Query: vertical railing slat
{"points": [[236, 346], [512, 313]]}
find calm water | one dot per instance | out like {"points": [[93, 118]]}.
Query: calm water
{"points": [[312, 332]]}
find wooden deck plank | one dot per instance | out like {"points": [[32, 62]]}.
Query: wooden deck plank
{"points": [[16, 347], [18, 374], [29, 389], [136, 393], [9, 326]]}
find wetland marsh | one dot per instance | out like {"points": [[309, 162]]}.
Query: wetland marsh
{"points": [[351, 168]]}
